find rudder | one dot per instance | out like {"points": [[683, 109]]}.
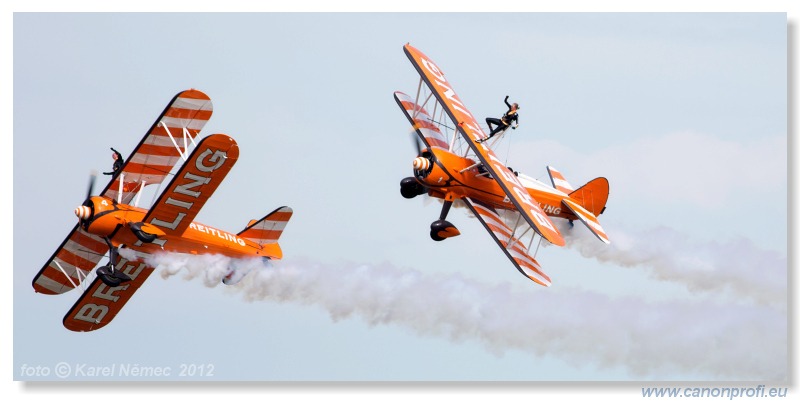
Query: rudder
{"points": [[592, 196]]}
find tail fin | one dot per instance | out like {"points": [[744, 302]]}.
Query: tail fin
{"points": [[592, 196], [268, 229]]}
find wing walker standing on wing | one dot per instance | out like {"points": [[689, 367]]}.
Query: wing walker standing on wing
{"points": [[461, 166], [112, 221], [502, 124]]}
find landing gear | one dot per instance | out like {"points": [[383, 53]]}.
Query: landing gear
{"points": [[410, 188], [442, 229], [141, 235], [108, 274]]}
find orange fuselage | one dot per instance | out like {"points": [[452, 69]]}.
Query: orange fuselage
{"points": [[111, 220], [454, 177]]}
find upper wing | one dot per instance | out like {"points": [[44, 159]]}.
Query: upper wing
{"points": [[100, 303], [471, 131], [512, 247], [163, 145], [421, 121], [71, 263], [193, 184]]}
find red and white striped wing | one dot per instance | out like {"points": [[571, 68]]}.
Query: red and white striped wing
{"points": [[269, 228], [100, 304], [421, 121], [516, 193], [71, 263], [517, 252], [163, 145]]}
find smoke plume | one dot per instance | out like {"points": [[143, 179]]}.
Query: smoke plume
{"points": [[736, 267], [650, 340]]}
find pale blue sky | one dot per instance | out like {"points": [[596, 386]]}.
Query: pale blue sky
{"points": [[685, 114]]}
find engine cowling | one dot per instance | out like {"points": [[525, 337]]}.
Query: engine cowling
{"points": [[92, 215]]}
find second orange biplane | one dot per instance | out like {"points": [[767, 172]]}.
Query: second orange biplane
{"points": [[462, 166], [109, 224]]}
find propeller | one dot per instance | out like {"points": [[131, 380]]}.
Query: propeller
{"points": [[92, 179], [84, 211], [416, 141]]}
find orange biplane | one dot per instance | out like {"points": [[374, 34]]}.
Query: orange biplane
{"points": [[462, 166], [109, 224]]}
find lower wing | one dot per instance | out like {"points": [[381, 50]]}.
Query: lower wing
{"points": [[512, 247], [71, 263], [100, 304]]}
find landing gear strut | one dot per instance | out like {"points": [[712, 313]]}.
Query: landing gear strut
{"points": [[108, 274], [442, 229]]}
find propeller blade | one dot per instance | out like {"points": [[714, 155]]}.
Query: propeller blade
{"points": [[417, 143], [90, 190]]}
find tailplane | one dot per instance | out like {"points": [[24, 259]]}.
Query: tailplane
{"points": [[558, 180], [587, 202], [268, 230]]}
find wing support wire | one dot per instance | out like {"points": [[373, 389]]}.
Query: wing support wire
{"points": [[514, 239], [186, 134], [435, 110], [187, 137], [78, 272]]}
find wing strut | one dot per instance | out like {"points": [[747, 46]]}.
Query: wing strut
{"points": [[416, 101], [139, 194], [121, 181]]}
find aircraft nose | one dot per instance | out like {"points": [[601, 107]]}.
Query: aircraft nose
{"points": [[83, 212], [422, 164]]}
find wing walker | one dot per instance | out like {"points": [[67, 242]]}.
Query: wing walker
{"points": [[112, 223], [458, 163]]}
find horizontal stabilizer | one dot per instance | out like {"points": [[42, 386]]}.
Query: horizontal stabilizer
{"points": [[559, 182], [587, 218], [269, 228]]}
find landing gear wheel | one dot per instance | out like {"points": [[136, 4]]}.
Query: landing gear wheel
{"points": [[106, 275], [143, 236], [442, 229], [111, 277], [410, 188], [435, 237]]}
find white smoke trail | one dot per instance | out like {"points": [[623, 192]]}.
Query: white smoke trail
{"points": [[735, 342], [736, 266]]}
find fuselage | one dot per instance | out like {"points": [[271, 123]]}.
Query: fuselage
{"points": [[113, 220], [452, 176]]}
